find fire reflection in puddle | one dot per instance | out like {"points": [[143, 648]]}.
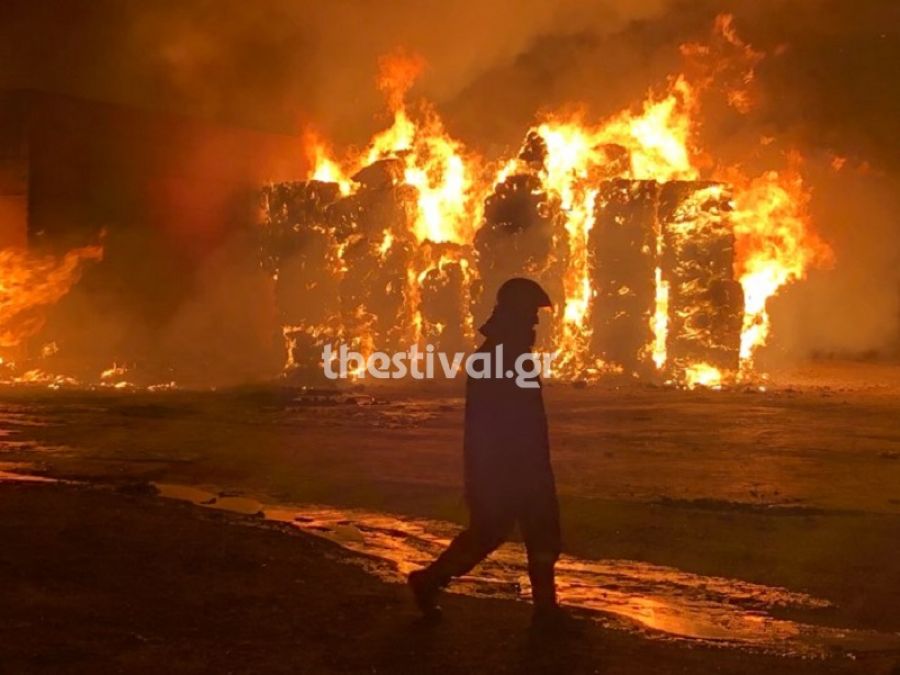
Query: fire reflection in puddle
{"points": [[625, 594], [17, 472]]}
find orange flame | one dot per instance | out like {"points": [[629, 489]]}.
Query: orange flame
{"points": [[702, 375], [775, 246], [30, 283]]}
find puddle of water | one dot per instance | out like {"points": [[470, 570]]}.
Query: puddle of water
{"points": [[21, 416], [625, 594], [213, 500], [17, 472], [12, 420]]}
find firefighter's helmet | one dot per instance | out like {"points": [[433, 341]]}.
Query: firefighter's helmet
{"points": [[521, 293]]}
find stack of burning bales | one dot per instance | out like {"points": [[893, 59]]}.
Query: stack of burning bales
{"points": [[336, 279], [349, 268]]}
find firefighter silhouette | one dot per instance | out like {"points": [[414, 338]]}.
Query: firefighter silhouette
{"points": [[508, 476]]}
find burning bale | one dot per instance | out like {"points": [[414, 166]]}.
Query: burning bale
{"points": [[520, 236], [375, 244], [444, 296], [663, 270], [341, 262], [706, 303], [623, 245], [297, 248], [656, 268]]}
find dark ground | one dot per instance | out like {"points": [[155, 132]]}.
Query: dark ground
{"points": [[96, 581], [796, 487]]}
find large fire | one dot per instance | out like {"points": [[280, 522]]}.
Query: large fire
{"points": [[30, 284], [661, 261], [652, 144], [774, 246]]}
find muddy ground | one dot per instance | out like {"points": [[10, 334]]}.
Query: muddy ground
{"points": [[741, 498]]}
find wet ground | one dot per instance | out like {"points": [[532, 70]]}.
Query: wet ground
{"points": [[747, 523]]}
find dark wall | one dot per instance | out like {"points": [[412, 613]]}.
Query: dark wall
{"points": [[96, 165], [173, 201], [13, 171]]}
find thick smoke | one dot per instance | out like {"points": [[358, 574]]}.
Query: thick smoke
{"points": [[279, 63], [826, 89]]}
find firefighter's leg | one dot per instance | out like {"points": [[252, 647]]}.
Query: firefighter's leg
{"points": [[470, 547], [541, 531], [485, 533]]}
